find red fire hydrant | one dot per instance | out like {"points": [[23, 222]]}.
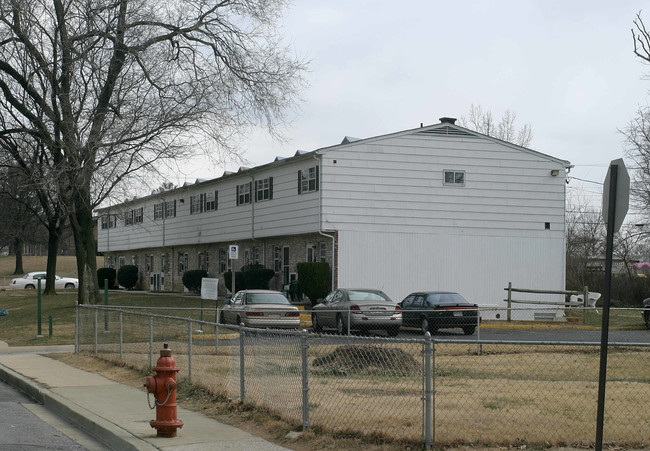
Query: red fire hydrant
{"points": [[163, 385]]}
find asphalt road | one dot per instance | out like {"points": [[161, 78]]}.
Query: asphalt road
{"points": [[26, 425], [559, 335]]}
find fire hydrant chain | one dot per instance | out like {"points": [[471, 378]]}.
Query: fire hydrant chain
{"points": [[155, 402]]}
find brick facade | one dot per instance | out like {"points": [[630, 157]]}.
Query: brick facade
{"points": [[213, 257]]}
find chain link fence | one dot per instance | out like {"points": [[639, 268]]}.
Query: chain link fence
{"points": [[437, 390]]}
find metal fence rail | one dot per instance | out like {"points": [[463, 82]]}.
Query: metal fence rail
{"points": [[427, 390]]}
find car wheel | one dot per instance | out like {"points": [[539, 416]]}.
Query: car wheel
{"points": [[222, 318], [30, 287], [424, 325], [69, 286], [315, 325], [238, 320], [646, 315], [392, 331], [469, 330], [341, 326]]}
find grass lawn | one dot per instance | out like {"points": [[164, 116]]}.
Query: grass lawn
{"points": [[20, 326]]}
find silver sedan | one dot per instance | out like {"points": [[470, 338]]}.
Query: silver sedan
{"points": [[360, 309], [260, 308]]}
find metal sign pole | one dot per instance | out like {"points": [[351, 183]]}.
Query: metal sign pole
{"points": [[602, 379]]}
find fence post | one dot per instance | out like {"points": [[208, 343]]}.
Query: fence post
{"points": [[479, 347], [427, 392], [106, 305], [584, 304], [76, 327], [349, 319], [216, 328], [242, 374], [305, 379], [150, 341], [121, 336], [189, 350], [508, 316], [95, 331]]}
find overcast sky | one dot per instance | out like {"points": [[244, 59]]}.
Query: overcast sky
{"points": [[567, 68]]}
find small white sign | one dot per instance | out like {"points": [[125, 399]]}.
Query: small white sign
{"points": [[209, 288], [233, 251]]}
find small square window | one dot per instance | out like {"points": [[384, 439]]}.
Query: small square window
{"points": [[456, 178]]}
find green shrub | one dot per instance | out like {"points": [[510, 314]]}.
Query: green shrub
{"points": [[104, 274], [314, 280], [253, 276], [127, 276], [192, 279]]}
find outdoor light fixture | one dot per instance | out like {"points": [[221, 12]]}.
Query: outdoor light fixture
{"points": [[555, 172], [182, 201]]}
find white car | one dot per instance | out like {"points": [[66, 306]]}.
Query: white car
{"points": [[30, 281]]}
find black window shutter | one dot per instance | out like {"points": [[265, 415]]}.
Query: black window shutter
{"points": [[250, 195], [256, 199], [216, 200], [174, 207], [202, 202], [237, 196], [270, 187], [317, 179], [299, 182]]}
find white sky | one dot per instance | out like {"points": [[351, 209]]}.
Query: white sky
{"points": [[567, 68]]}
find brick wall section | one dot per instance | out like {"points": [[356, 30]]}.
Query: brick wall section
{"points": [[173, 279]]}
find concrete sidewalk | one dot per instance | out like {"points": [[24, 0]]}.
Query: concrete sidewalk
{"points": [[114, 414]]}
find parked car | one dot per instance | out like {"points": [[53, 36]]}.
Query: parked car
{"points": [[646, 312], [260, 308], [361, 309], [30, 281], [435, 310]]}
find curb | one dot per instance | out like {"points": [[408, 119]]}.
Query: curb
{"points": [[97, 427]]}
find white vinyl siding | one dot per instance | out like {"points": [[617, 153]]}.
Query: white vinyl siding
{"points": [[397, 187], [479, 267], [284, 213]]}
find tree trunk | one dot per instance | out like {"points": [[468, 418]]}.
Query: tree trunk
{"points": [[18, 251], [82, 223], [53, 239]]}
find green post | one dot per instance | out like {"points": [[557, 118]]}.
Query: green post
{"points": [[50, 323], [585, 303], [105, 304], [39, 334]]}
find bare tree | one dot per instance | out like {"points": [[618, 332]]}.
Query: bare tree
{"points": [[585, 239], [504, 129], [110, 88], [33, 196], [18, 222], [637, 133]]}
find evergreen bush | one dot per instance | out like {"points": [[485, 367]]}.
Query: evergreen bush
{"points": [[314, 280], [192, 279], [253, 276], [127, 276], [106, 273]]}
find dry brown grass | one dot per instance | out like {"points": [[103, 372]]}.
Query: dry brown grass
{"points": [[537, 396]]}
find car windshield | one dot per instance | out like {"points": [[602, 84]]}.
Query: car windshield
{"points": [[446, 298], [367, 296], [266, 298]]}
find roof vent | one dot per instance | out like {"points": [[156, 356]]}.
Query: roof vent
{"points": [[447, 120]]}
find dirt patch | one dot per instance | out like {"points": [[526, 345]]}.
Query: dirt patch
{"points": [[366, 360]]}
